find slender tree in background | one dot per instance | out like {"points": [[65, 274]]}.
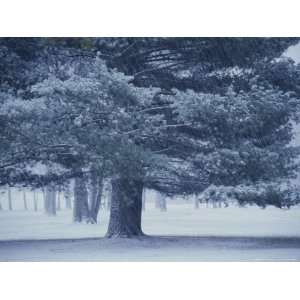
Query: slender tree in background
{"points": [[10, 207], [1, 194], [157, 201], [67, 195], [108, 190], [160, 202], [96, 195], [86, 207], [81, 205], [25, 199], [50, 200], [35, 201], [58, 203], [44, 197], [196, 202], [144, 200]]}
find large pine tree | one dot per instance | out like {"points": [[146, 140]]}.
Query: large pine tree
{"points": [[188, 113]]}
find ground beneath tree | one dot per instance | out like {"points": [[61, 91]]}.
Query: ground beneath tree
{"points": [[177, 248], [180, 234]]}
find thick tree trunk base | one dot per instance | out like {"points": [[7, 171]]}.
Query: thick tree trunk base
{"points": [[124, 235], [126, 209]]}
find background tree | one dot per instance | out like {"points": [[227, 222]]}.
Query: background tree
{"points": [[67, 195], [25, 200], [96, 183], [50, 200], [35, 201], [10, 207], [81, 205]]}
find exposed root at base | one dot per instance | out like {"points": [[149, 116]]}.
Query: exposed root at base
{"points": [[123, 235]]}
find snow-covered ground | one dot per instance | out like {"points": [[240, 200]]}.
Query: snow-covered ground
{"points": [[177, 248], [180, 234]]}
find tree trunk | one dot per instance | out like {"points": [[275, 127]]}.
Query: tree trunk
{"points": [[96, 196], [67, 196], [163, 206], [196, 202], [108, 197], [9, 199], [44, 197], [157, 201], [144, 200], [126, 208], [108, 202], [25, 200], [35, 203], [81, 207], [50, 201], [58, 204]]}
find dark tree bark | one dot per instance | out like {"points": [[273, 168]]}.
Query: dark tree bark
{"points": [[108, 196], [126, 208], [81, 206], [144, 200], [9, 199], [50, 201], [108, 202], [96, 196]]}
